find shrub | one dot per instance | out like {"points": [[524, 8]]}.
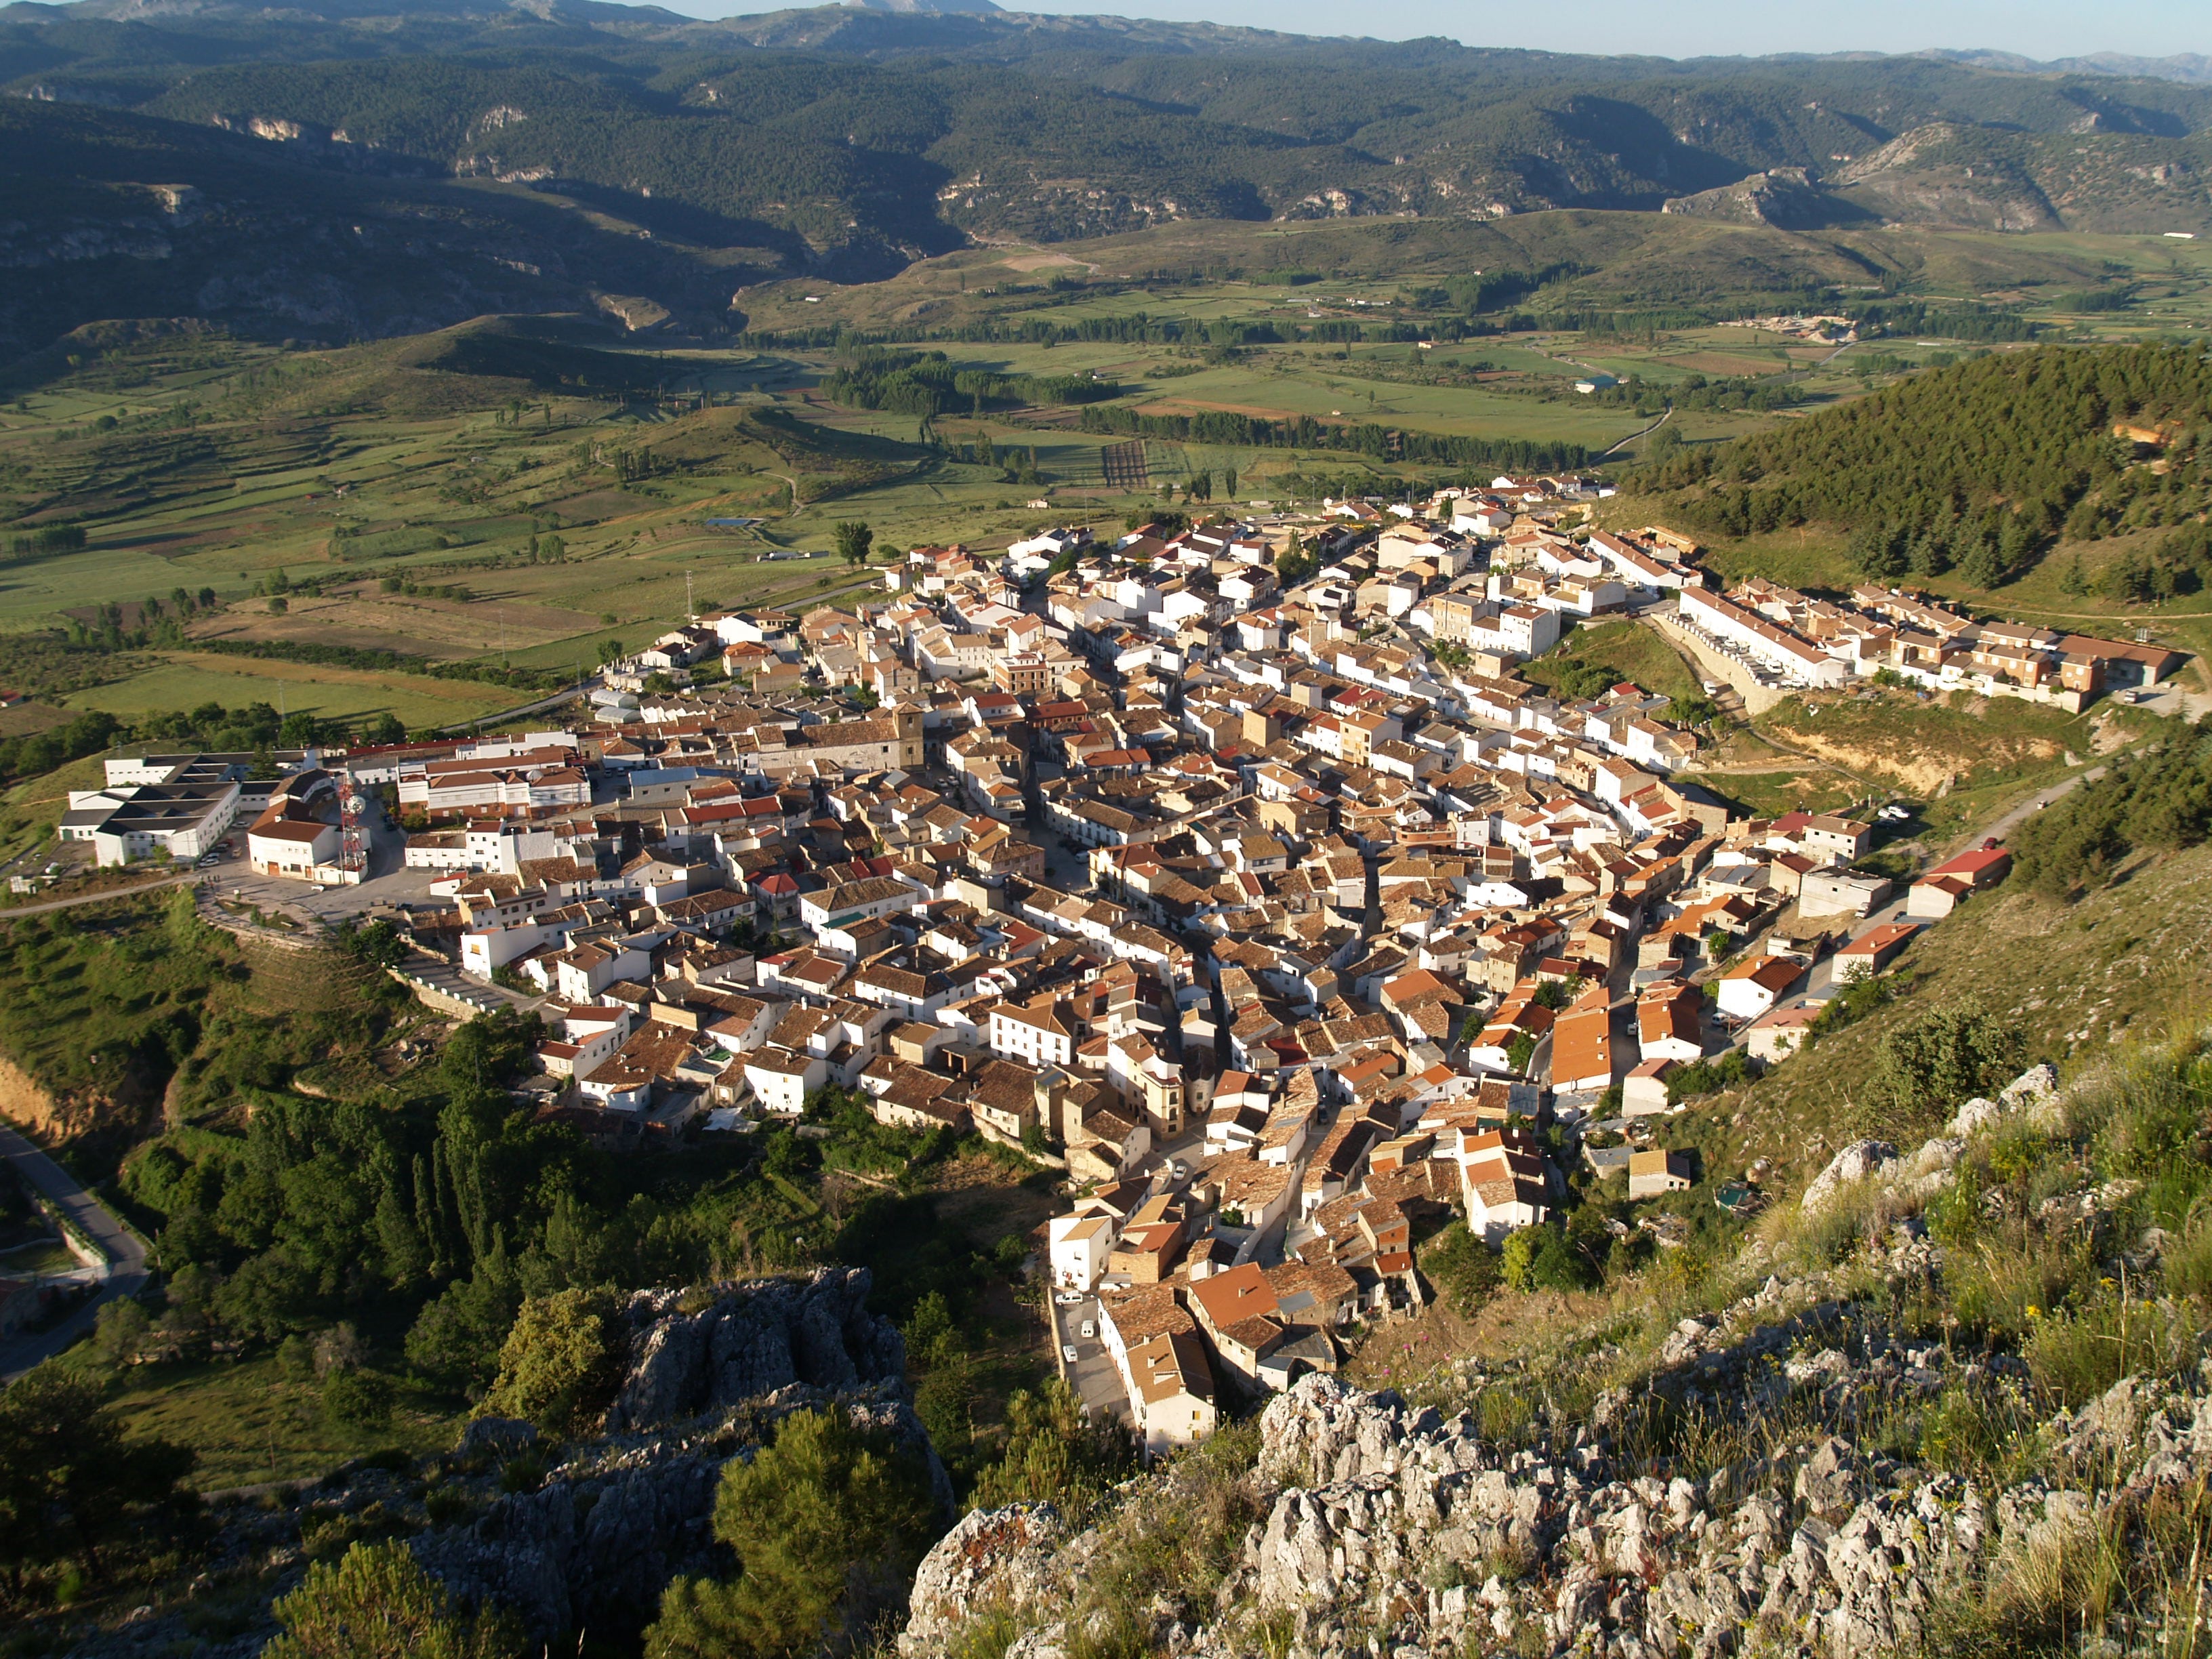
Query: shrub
{"points": [[1947, 1056], [560, 1364], [359, 1398], [1463, 1268], [378, 1603]]}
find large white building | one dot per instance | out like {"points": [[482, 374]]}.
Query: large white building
{"points": [[130, 821], [1789, 657]]}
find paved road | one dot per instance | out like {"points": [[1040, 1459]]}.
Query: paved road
{"points": [[1633, 436], [2035, 803], [124, 1251], [1095, 1377]]}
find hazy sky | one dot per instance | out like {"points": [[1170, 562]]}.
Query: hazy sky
{"points": [[2038, 28]]}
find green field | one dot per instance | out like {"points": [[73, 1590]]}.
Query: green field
{"points": [[332, 693], [1628, 651], [251, 1423]]}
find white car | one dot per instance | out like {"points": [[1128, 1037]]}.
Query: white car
{"points": [[1089, 1330], [1894, 814], [1068, 1353], [1071, 1298]]}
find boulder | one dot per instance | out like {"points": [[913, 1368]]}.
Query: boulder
{"points": [[993, 1556], [1853, 1163]]}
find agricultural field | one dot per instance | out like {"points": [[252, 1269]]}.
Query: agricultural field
{"points": [[530, 494]]}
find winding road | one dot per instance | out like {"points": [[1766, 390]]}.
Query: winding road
{"points": [[126, 1256]]}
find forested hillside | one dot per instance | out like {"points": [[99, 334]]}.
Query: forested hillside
{"points": [[1980, 465], [648, 154]]}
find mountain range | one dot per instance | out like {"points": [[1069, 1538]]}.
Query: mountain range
{"points": [[351, 168]]}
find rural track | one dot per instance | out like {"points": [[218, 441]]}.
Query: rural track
{"points": [[14, 910], [1646, 433]]}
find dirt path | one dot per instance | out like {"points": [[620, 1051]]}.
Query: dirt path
{"points": [[104, 895]]}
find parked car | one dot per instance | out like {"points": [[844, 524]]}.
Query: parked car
{"points": [[1090, 1329], [1070, 1299], [1068, 1353]]}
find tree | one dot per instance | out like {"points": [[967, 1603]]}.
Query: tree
{"points": [[827, 1524], [560, 1364], [120, 1330], [1947, 1056], [378, 1603], [455, 1339], [69, 1478], [1462, 1266], [854, 538], [1053, 1451]]}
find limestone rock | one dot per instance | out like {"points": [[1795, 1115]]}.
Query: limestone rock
{"points": [[1855, 1162], [993, 1556], [750, 1340]]}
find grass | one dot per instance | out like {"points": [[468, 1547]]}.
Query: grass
{"points": [[1770, 794], [184, 680], [1631, 652], [249, 1423], [2076, 978]]}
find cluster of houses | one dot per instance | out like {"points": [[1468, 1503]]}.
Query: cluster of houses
{"points": [[1786, 638], [1286, 916]]}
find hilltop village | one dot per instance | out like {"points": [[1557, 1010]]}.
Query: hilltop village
{"points": [[1234, 869]]}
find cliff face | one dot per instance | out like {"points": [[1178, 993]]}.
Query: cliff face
{"points": [[750, 1342]]}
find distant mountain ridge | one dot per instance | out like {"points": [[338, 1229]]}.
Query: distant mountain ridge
{"points": [[681, 160], [2192, 67]]}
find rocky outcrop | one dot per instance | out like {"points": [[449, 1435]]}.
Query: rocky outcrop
{"points": [[1847, 1168], [750, 1340], [1382, 1517], [1790, 198]]}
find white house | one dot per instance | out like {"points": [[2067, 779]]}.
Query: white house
{"points": [[1172, 1398], [1753, 987], [1078, 1246], [781, 1080]]}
